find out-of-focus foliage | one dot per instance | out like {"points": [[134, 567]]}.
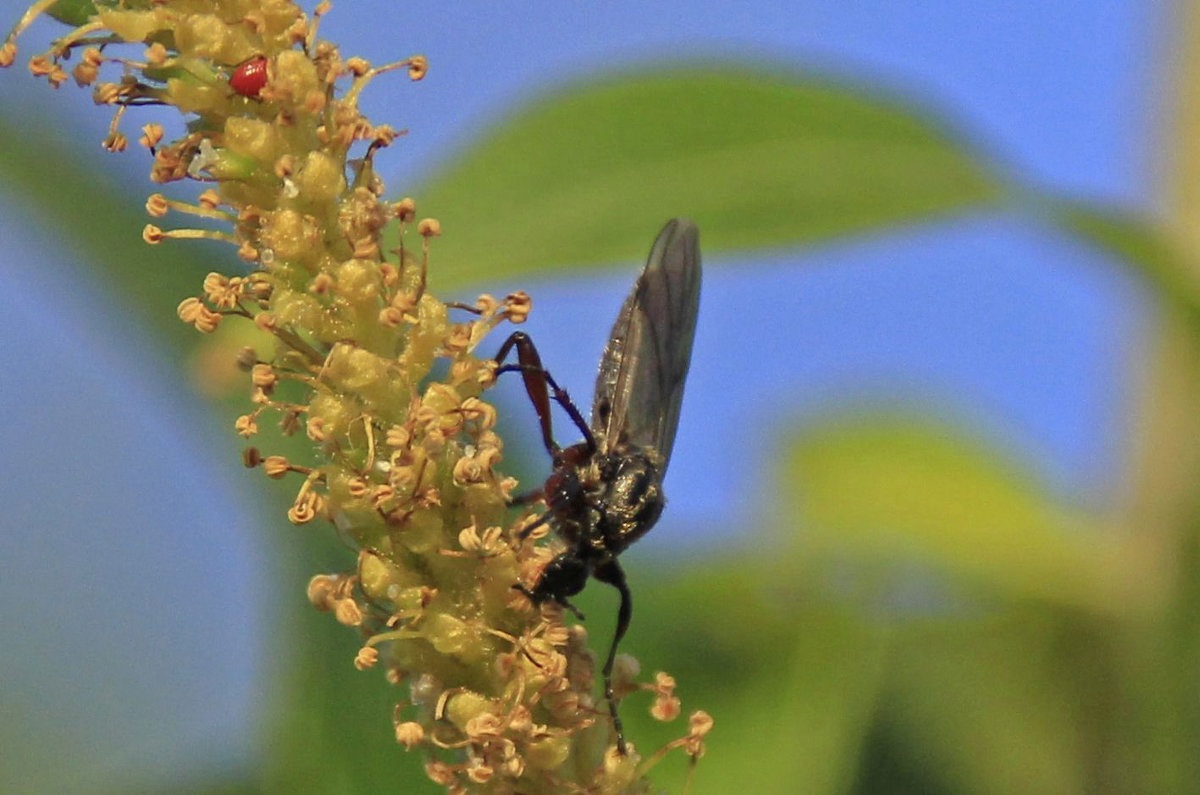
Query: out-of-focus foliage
{"points": [[887, 489], [757, 159], [74, 12], [1019, 674], [1059, 652], [1144, 248]]}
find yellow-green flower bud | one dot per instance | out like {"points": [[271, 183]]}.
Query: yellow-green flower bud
{"points": [[194, 97], [426, 338], [377, 576], [136, 25], [449, 635], [291, 235], [207, 36], [298, 310], [358, 282], [321, 179], [253, 138], [335, 410], [465, 706], [295, 76], [423, 531], [548, 753]]}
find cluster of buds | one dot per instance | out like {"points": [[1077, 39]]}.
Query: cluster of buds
{"points": [[381, 376]]}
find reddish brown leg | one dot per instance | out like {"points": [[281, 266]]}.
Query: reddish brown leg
{"points": [[540, 386]]}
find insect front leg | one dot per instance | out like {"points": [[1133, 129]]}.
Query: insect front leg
{"points": [[563, 576], [612, 573], [540, 385], [563, 601], [528, 497]]}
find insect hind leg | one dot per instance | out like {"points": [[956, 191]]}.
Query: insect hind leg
{"points": [[612, 573], [540, 386]]}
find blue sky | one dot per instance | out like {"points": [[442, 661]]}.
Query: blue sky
{"points": [[1004, 325]]}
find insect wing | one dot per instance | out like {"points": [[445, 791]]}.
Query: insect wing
{"points": [[639, 389]]}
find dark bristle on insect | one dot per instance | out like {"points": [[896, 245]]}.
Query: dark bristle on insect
{"points": [[605, 492]]}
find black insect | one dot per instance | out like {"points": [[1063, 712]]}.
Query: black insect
{"points": [[605, 492]]}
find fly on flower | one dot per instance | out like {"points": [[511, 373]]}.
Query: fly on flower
{"points": [[605, 492]]}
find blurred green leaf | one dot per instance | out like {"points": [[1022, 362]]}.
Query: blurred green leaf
{"points": [[1159, 722], [1139, 242], [836, 674], [1159, 491], [1004, 705], [899, 490], [756, 158], [73, 12], [791, 684], [224, 783]]}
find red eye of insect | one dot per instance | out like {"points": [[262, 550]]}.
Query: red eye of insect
{"points": [[250, 77]]}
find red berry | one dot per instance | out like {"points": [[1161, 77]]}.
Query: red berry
{"points": [[250, 77]]}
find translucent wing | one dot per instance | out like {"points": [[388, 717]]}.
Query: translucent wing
{"points": [[639, 389]]}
